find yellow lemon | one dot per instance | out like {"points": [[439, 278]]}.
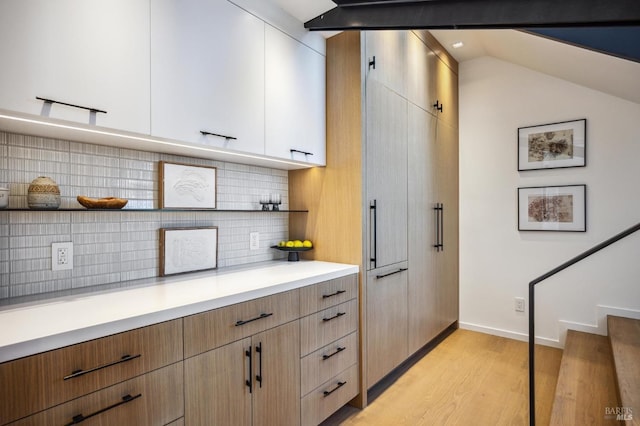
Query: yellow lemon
{"points": [[289, 244], [297, 243], [307, 243]]}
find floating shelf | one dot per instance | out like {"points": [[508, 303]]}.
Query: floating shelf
{"points": [[157, 210]]}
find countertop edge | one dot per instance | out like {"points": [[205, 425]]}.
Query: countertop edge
{"points": [[67, 337]]}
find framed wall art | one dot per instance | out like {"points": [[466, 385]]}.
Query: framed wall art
{"points": [[551, 146], [183, 186], [552, 208], [188, 249]]}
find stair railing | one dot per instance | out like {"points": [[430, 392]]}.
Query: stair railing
{"points": [[532, 284]]}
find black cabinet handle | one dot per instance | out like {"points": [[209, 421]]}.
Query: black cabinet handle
{"points": [[53, 101], [338, 386], [81, 418], [373, 209], [338, 315], [205, 133], [259, 375], [438, 106], [300, 152], [325, 296], [249, 381], [441, 227], [243, 322], [338, 350], [439, 209], [391, 273], [78, 373]]}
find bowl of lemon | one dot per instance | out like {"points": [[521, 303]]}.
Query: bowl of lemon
{"points": [[294, 247]]}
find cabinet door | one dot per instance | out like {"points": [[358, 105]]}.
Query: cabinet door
{"points": [[295, 99], [216, 390], [276, 398], [422, 286], [447, 194], [207, 74], [447, 93], [386, 321], [84, 52], [390, 51], [421, 72], [386, 174]]}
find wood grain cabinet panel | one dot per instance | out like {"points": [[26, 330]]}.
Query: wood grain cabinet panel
{"points": [[215, 328], [319, 329], [326, 362], [63, 374], [320, 296], [328, 398], [153, 399]]}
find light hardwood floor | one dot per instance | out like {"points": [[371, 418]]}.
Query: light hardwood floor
{"points": [[468, 379]]}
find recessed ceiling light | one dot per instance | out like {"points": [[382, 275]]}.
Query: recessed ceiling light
{"points": [[457, 45]]}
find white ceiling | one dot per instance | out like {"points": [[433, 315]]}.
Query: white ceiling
{"points": [[597, 71]]}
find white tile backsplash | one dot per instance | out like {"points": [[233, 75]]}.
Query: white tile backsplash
{"points": [[116, 247]]}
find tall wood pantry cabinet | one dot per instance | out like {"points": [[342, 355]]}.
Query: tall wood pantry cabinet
{"points": [[388, 197]]}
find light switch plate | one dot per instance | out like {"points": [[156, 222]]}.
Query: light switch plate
{"points": [[254, 241]]}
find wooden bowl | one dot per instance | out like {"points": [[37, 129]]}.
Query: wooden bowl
{"points": [[102, 203]]}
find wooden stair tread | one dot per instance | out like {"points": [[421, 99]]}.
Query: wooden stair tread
{"points": [[586, 384], [624, 335]]}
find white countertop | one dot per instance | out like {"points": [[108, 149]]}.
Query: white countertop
{"points": [[27, 329]]}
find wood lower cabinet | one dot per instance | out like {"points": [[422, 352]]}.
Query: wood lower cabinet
{"points": [[254, 381], [153, 399], [60, 375]]}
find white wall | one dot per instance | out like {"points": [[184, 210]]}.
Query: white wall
{"points": [[496, 260]]}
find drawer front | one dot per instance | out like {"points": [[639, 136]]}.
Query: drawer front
{"points": [[155, 398], [328, 398], [179, 422], [324, 327], [320, 296], [326, 362], [209, 330], [63, 374]]}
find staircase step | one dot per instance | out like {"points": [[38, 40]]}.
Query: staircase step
{"points": [[586, 384], [624, 335]]}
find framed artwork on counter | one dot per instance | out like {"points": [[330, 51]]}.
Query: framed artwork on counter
{"points": [[188, 249]]}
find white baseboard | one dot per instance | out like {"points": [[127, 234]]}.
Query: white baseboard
{"points": [[508, 334], [599, 327]]}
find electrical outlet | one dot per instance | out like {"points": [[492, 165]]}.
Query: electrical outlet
{"points": [[254, 241], [61, 256], [519, 304]]}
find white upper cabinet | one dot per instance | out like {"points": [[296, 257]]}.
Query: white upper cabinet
{"points": [[207, 74], [295, 99], [92, 53]]}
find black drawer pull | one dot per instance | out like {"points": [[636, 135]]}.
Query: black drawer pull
{"points": [[205, 133], [51, 101], [338, 386], [243, 322], [324, 296], [249, 381], [80, 418], [78, 373], [339, 314], [338, 350], [391, 273]]}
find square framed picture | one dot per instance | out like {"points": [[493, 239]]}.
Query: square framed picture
{"points": [[551, 146], [183, 186], [188, 249], [553, 208]]}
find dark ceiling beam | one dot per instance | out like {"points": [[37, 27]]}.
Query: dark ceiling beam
{"points": [[369, 2], [476, 14]]}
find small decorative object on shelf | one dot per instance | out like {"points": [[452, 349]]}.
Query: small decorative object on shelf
{"points": [[264, 202], [43, 194], [4, 198], [102, 203], [276, 200], [294, 248]]}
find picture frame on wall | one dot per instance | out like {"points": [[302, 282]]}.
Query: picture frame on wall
{"points": [[552, 146], [184, 186], [553, 208], [188, 249]]}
